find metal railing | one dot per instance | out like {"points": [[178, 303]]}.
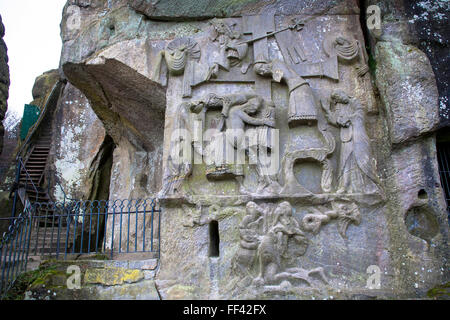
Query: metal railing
{"points": [[52, 179], [14, 248], [52, 97], [67, 230], [23, 185], [443, 157], [29, 183]]}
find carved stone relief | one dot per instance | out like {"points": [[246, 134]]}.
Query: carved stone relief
{"points": [[357, 167], [271, 239], [344, 212], [347, 51], [233, 51], [294, 74], [255, 110], [302, 107], [179, 55]]}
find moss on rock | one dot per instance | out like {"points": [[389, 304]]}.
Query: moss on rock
{"points": [[112, 276], [440, 292], [31, 279]]}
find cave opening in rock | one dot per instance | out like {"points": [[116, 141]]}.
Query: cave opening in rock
{"points": [[421, 222], [100, 175], [214, 239]]}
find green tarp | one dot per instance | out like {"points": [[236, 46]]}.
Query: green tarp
{"points": [[30, 116]]}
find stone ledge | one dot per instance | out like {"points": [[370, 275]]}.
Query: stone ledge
{"points": [[243, 199], [100, 280], [184, 10]]}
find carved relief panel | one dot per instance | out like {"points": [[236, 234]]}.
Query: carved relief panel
{"points": [[262, 119]]}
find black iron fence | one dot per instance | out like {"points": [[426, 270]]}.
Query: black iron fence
{"points": [[64, 230]]}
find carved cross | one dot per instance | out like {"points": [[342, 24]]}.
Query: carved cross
{"points": [[260, 27], [292, 52], [257, 26]]}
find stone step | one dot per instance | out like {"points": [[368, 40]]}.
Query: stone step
{"points": [[48, 241], [38, 155], [40, 239], [30, 174], [34, 171], [39, 192], [33, 162], [37, 158], [36, 165], [40, 150]]}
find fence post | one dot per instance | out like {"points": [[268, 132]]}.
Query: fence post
{"points": [[13, 213]]}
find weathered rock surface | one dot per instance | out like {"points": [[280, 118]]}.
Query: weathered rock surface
{"points": [[179, 10], [42, 87], [430, 19], [408, 89], [5, 151], [4, 81], [99, 280], [422, 26], [123, 99], [78, 135], [358, 186]]}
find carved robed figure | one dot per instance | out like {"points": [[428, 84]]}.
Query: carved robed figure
{"points": [[302, 105], [357, 167]]}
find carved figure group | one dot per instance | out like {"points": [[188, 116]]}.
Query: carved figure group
{"points": [[232, 49], [271, 239], [265, 238]]}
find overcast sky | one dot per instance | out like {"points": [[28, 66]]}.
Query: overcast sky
{"points": [[34, 44]]}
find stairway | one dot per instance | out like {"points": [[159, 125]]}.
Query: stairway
{"points": [[35, 168], [49, 223], [44, 238]]}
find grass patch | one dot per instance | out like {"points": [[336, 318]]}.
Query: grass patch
{"points": [[440, 292], [25, 280], [98, 256]]}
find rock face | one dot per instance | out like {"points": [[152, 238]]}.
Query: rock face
{"points": [[408, 87], [4, 159], [412, 31], [78, 135], [430, 19], [99, 280], [166, 91], [42, 87], [4, 81]]}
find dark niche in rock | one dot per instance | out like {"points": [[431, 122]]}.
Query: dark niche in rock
{"points": [[422, 223]]}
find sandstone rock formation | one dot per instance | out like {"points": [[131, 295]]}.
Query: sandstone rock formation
{"points": [[349, 118], [4, 94], [4, 81], [42, 87]]}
